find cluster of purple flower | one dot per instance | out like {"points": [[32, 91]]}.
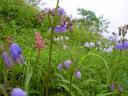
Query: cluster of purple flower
{"points": [[122, 45], [66, 65], [16, 56], [114, 86], [65, 21]]}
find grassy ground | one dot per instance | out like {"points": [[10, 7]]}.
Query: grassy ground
{"points": [[98, 69]]}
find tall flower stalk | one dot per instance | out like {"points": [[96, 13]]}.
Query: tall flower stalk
{"points": [[49, 64], [53, 24]]}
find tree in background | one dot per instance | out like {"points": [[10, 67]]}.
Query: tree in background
{"points": [[91, 22]]}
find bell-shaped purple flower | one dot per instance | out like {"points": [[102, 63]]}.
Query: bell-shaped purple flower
{"points": [[122, 45], [60, 29], [60, 66], [18, 92], [67, 64], [125, 45], [78, 74], [7, 60], [112, 87], [16, 53], [119, 46], [61, 11]]}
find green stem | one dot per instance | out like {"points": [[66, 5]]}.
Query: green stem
{"points": [[70, 85], [49, 64], [38, 56], [31, 55], [5, 73], [50, 53]]}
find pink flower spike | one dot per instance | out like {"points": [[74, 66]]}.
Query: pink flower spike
{"points": [[39, 42]]}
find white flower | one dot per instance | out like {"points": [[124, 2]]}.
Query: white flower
{"points": [[87, 44], [108, 50]]}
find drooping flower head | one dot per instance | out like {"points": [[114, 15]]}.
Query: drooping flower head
{"points": [[61, 11], [64, 65], [60, 66], [122, 45], [7, 60], [67, 64], [18, 92], [125, 45], [112, 87], [39, 42], [16, 53], [119, 46], [60, 29], [77, 74]]}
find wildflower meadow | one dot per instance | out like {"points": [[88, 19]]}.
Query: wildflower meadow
{"points": [[46, 52]]}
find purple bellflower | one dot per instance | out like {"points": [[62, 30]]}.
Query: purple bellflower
{"points": [[122, 46], [7, 60], [60, 66], [61, 11], [18, 92], [125, 45], [67, 64], [112, 87], [78, 74], [60, 29], [16, 53]]}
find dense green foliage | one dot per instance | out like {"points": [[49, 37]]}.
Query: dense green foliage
{"points": [[98, 69]]}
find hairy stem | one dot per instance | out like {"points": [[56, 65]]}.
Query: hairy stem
{"points": [[70, 84], [49, 64], [50, 54]]}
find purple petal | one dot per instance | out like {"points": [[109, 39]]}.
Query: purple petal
{"points": [[119, 46], [18, 92], [125, 45], [112, 87], [16, 53], [67, 64], [60, 29], [122, 46], [60, 67], [61, 11], [6, 59], [78, 74]]}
